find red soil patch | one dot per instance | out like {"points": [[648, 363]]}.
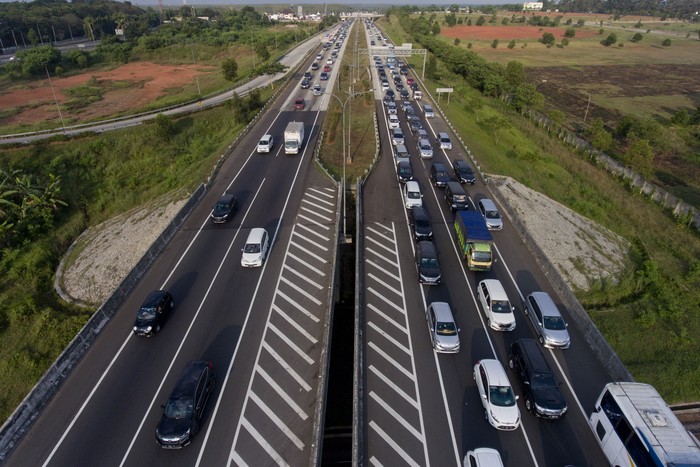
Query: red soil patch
{"points": [[483, 33], [147, 82]]}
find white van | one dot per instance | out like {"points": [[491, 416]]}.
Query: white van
{"points": [[445, 141], [256, 248], [497, 307], [412, 195]]}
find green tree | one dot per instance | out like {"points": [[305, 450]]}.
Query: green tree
{"points": [[229, 67], [570, 32], [431, 68], [640, 157], [450, 19], [515, 74], [666, 43], [480, 21], [435, 29], [511, 44], [610, 40], [494, 44], [164, 126], [262, 52], [548, 39], [637, 37], [457, 41], [581, 22], [469, 23], [599, 137], [37, 60]]}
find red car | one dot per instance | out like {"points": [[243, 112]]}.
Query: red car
{"points": [[409, 81], [299, 104], [327, 69]]}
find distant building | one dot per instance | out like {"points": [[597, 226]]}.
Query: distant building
{"points": [[533, 5]]}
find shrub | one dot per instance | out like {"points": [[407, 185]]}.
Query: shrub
{"points": [[511, 45], [610, 40], [570, 32], [637, 37], [494, 44], [548, 38], [666, 43]]}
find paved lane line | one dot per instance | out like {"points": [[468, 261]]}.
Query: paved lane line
{"points": [[278, 422], [312, 232], [382, 257], [381, 234], [316, 213], [309, 252], [291, 344], [316, 206], [302, 277], [393, 386], [263, 443], [287, 367], [237, 460], [391, 361], [313, 221], [300, 290], [395, 415], [330, 194], [380, 245], [406, 458], [300, 237], [282, 393], [373, 460], [384, 270], [389, 287], [316, 198], [386, 336], [295, 325], [389, 319], [298, 307], [387, 301], [307, 265]]}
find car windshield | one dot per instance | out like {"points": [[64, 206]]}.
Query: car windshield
{"points": [[502, 396], [429, 262], [263, 142], [413, 195], [493, 215], [555, 323], [179, 408], [500, 306], [482, 256], [445, 329], [146, 313], [422, 223], [404, 170], [543, 381], [460, 198], [221, 207], [251, 248]]}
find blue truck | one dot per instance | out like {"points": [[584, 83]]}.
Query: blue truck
{"points": [[474, 239]]}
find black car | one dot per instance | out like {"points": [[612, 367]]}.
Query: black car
{"points": [[420, 221], [463, 171], [404, 94], [415, 124], [224, 209], [439, 174], [427, 263], [324, 76], [404, 172], [403, 70], [390, 93], [314, 66], [183, 412], [305, 83], [308, 75], [540, 390], [153, 313]]}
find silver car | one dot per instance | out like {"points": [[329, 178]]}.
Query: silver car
{"points": [[491, 215], [547, 320], [442, 327]]}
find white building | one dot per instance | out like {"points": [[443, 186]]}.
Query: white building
{"points": [[533, 6]]}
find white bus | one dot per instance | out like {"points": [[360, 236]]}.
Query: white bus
{"points": [[635, 427]]}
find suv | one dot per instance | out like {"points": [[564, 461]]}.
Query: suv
{"points": [[224, 209], [420, 222], [491, 215], [427, 263], [455, 196], [497, 307], [539, 388], [404, 172], [153, 313], [444, 332], [265, 144], [463, 171], [548, 322], [256, 248], [439, 174], [183, 412], [412, 195]]}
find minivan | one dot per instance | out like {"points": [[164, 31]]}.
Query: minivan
{"points": [[491, 215], [547, 320], [427, 263], [539, 388], [463, 171], [256, 248], [439, 174], [412, 195], [455, 196], [404, 171], [420, 222], [445, 142], [497, 307]]}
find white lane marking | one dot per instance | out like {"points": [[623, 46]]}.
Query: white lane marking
{"points": [[286, 366], [329, 203], [386, 300], [389, 287], [282, 393], [395, 415], [373, 460], [237, 460], [301, 238], [277, 421], [406, 458], [316, 213], [384, 270], [380, 245], [320, 259], [291, 344], [313, 221], [263, 443], [302, 277], [248, 315], [386, 336], [381, 257], [316, 206], [381, 234], [313, 232], [295, 325], [298, 306], [400, 326], [301, 290], [393, 362], [187, 333], [305, 264], [395, 387], [330, 194]]}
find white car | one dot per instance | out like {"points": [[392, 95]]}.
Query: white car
{"points": [[496, 394], [393, 121], [256, 248], [329, 61], [317, 90], [483, 457], [497, 307], [266, 143], [412, 195]]}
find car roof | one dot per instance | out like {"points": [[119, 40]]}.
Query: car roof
{"points": [[256, 235], [424, 142], [419, 212], [496, 290], [189, 377], [427, 247], [442, 311], [412, 186], [439, 166], [153, 298], [488, 204], [496, 374], [547, 305], [531, 351], [461, 164], [227, 198], [442, 134]]}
